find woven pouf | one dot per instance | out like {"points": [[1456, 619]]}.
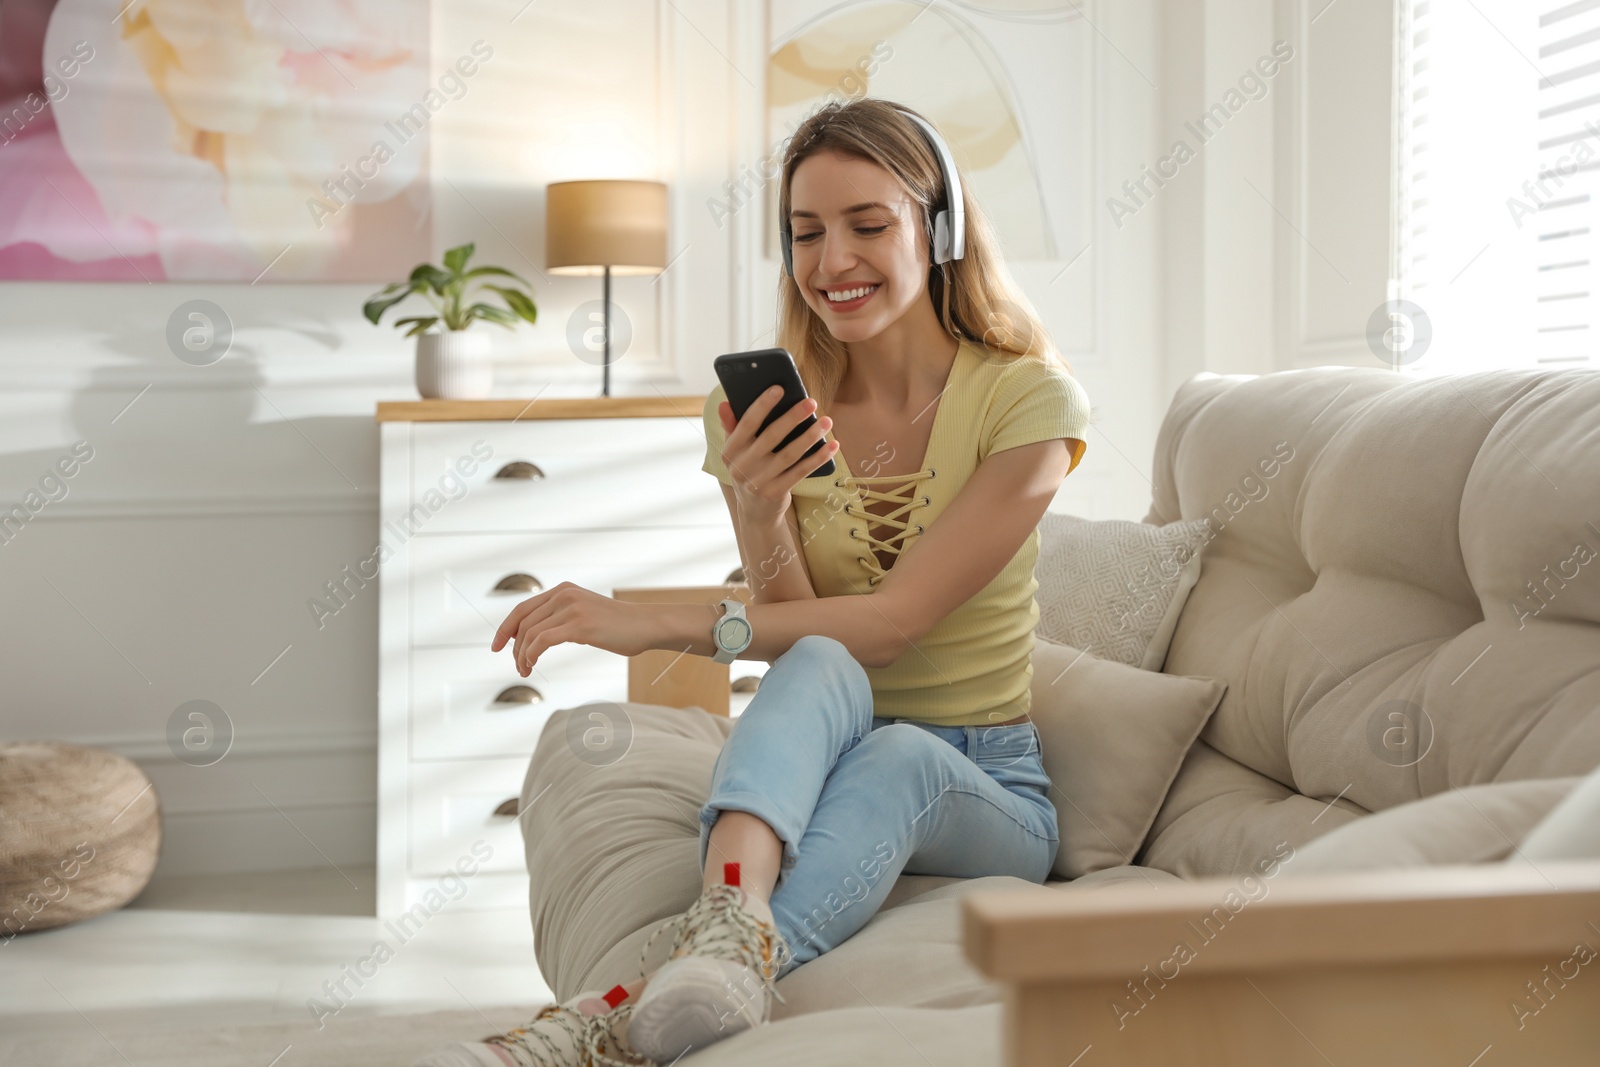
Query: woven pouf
{"points": [[80, 832]]}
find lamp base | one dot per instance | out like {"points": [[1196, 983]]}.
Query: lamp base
{"points": [[605, 303]]}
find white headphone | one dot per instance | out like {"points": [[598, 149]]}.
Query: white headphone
{"points": [[949, 220]]}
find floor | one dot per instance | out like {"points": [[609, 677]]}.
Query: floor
{"points": [[239, 949]]}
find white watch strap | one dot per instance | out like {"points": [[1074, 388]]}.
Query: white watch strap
{"points": [[730, 609]]}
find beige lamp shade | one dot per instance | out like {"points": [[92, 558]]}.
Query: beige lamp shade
{"points": [[592, 225]]}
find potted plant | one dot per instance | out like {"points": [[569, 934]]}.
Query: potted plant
{"points": [[453, 360]]}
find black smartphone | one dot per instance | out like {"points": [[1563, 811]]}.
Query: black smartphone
{"points": [[746, 375]]}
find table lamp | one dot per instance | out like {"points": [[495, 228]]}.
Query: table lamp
{"points": [[601, 227]]}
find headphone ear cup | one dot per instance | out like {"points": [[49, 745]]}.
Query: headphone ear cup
{"points": [[941, 237]]}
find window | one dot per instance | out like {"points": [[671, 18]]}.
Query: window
{"points": [[1497, 171]]}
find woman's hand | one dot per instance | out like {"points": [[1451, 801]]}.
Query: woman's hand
{"points": [[761, 478], [572, 613]]}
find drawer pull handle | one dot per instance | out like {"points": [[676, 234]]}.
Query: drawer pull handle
{"points": [[507, 807], [747, 684], [519, 583], [519, 694], [735, 577], [520, 469]]}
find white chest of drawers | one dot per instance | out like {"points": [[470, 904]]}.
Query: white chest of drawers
{"points": [[483, 504]]}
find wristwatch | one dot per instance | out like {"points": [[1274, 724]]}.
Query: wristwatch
{"points": [[731, 633]]}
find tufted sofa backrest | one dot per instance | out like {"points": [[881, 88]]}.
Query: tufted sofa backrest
{"points": [[1402, 592]]}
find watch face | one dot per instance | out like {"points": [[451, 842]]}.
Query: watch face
{"points": [[734, 633]]}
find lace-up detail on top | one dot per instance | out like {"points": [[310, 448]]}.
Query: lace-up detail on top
{"points": [[895, 519]]}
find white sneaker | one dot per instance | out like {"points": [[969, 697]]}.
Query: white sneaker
{"points": [[717, 982], [561, 1035]]}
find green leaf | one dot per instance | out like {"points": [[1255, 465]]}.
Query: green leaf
{"points": [[517, 302], [422, 324], [490, 313], [453, 292], [374, 308], [426, 274], [455, 260], [478, 272]]}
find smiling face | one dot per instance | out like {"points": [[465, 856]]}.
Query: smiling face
{"points": [[856, 231]]}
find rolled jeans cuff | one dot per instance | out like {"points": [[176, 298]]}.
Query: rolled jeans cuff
{"points": [[764, 807]]}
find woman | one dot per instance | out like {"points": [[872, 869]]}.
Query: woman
{"points": [[891, 732]]}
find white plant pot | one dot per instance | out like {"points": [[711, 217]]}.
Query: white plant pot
{"points": [[454, 365]]}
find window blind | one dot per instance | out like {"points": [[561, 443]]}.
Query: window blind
{"points": [[1496, 176], [1567, 132]]}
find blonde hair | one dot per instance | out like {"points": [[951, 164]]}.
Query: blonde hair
{"points": [[975, 297]]}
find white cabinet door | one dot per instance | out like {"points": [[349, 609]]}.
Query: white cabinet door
{"points": [[452, 806], [601, 473], [454, 579], [470, 702], [616, 502]]}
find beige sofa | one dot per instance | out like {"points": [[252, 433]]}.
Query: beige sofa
{"points": [[1412, 551]]}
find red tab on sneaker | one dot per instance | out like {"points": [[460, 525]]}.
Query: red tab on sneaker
{"points": [[616, 996], [730, 873]]}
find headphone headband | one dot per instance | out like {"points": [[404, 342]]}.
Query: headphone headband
{"points": [[949, 238]]}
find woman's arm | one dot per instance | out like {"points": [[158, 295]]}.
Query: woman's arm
{"points": [[974, 538], [865, 632], [970, 544], [774, 560], [570, 612]]}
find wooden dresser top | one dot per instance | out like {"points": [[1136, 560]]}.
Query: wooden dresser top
{"points": [[510, 410]]}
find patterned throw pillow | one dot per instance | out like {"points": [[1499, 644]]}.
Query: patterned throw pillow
{"points": [[1115, 587]]}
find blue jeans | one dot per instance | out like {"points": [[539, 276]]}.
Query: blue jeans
{"points": [[856, 799]]}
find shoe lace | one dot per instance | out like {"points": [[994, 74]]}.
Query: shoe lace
{"points": [[521, 1042], [604, 1043], [717, 925]]}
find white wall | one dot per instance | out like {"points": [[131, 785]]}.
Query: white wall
{"points": [[220, 499], [1276, 248]]}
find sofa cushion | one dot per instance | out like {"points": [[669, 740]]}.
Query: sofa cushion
{"points": [[1112, 877], [865, 1033], [1570, 830], [1478, 824], [1407, 605], [1115, 587], [612, 843], [1113, 738], [1223, 819], [612, 852]]}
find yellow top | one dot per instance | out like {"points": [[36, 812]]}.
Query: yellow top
{"points": [[975, 666]]}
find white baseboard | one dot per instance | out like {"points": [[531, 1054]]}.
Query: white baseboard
{"points": [[339, 837], [275, 802]]}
